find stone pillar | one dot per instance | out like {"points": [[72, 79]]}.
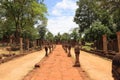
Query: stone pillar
{"points": [[37, 42], [21, 45], [34, 44], [46, 50], [77, 52], [118, 39], [28, 44], [104, 43], [11, 41], [69, 50], [10, 45]]}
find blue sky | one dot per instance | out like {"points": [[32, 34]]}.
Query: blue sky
{"points": [[61, 13]]}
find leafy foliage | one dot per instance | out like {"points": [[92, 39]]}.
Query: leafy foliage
{"points": [[84, 14], [49, 36], [21, 15], [65, 37], [75, 36], [91, 11], [96, 31]]}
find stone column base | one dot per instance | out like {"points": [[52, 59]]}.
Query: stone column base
{"points": [[77, 64], [69, 55]]}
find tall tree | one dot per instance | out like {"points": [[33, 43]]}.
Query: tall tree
{"points": [[49, 36], [23, 13], [84, 14], [75, 34], [65, 37], [96, 31], [57, 38]]}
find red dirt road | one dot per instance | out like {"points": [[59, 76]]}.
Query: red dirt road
{"points": [[56, 67]]}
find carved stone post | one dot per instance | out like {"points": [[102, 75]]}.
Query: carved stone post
{"points": [[118, 39], [104, 43], [10, 44], [69, 50], [77, 52], [34, 44], [21, 45], [46, 50], [39, 43], [11, 41]]}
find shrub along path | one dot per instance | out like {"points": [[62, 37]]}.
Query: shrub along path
{"points": [[56, 67]]}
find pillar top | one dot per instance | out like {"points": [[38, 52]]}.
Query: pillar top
{"points": [[104, 35], [118, 33]]}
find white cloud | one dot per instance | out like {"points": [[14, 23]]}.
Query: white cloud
{"points": [[61, 24], [56, 12], [64, 5], [62, 17]]}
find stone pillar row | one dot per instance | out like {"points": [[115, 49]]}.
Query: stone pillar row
{"points": [[105, 42], [28, 44]]}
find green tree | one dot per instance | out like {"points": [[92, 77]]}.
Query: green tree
{"points": [[49, 36], [105, 11], [22, 13], [113, 7], [42, 31], [84, 14], [65, 37], [57, 38], [75, 34], [96, 31]]}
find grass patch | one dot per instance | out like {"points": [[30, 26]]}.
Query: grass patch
{"points": [[4, 51], [87, 46]]}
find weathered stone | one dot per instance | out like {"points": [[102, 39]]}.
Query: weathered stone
{"points": [[116, 67], [77, 52], [21, 45], [69, 49], [104, 43], [46, 50], [49, 46], [118, 38], [37, 65]]}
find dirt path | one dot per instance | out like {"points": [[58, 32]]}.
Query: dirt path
{"points": [[56, 67], [96, 67], [16, 69]]}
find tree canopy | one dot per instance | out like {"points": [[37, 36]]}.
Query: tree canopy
{"points": [[90, 12], [20, 16]]}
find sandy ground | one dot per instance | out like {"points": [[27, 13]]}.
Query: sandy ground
{"points": [[17, 68], [97, 68]]}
